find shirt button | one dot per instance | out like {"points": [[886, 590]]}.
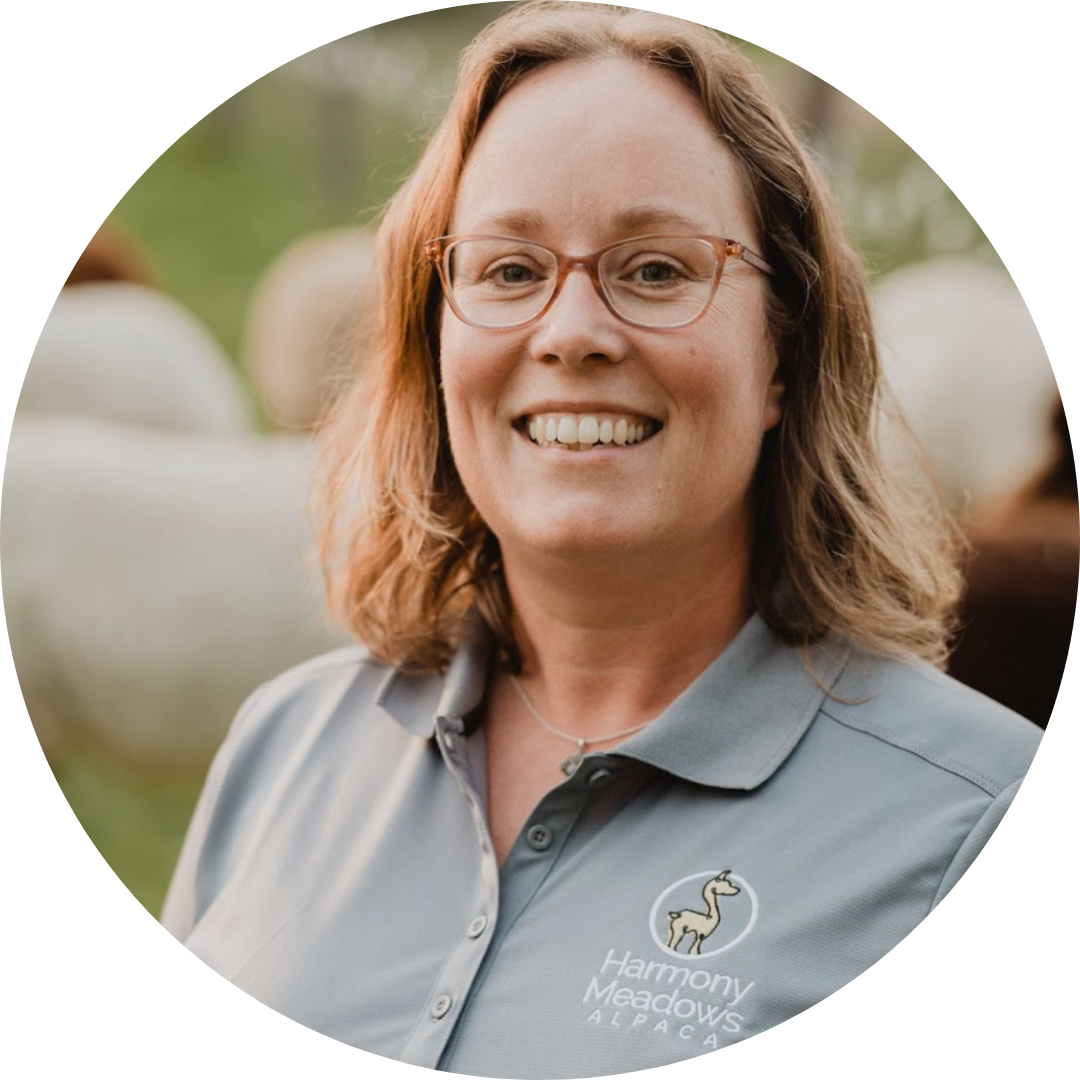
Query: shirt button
{"points": [[599, 777], [477, 926], [539, 838], [441, 1006]]}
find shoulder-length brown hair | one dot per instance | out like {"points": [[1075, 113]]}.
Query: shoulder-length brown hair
{"points": [[837, 545]]}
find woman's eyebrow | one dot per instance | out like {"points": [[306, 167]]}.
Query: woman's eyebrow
{"points": [[652, 216], [515, 222], [642, 218]]}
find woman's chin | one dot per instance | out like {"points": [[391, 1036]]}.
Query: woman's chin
{"points": [[579, 530]]}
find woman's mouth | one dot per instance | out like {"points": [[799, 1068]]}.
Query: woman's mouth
{"points": [[583, 431]]}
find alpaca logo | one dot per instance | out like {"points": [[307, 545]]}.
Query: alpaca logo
{"points": [[727, 915]]}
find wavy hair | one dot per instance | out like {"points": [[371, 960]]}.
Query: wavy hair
{"points": [[839, 546]]}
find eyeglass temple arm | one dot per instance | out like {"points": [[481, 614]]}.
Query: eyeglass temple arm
{"points": [[735, 250]]}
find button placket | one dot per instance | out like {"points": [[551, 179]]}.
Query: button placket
{"points": [[449, 730], [539, 837], [444, 1011], [600, 777], [531, 859]]}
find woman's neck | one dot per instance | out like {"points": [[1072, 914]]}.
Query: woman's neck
{"points": [[606, 646]]}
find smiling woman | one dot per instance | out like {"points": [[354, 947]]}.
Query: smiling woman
{"points": [[642, 753], [695, 392]]}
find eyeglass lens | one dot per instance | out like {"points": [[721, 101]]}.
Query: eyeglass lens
{"points": [[653, 282]]}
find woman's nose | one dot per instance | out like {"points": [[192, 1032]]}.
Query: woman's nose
{"points": [[578, 326]]}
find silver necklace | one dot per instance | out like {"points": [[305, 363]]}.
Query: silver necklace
{"points": [[571, 764]]}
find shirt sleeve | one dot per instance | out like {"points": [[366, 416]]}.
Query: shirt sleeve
{"points": [[189, 891], [975, 841]]}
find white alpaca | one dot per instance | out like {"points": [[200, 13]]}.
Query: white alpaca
{"points": [[129, 353], [700, 924], [300, 337], [152, 579], [961, 351]]}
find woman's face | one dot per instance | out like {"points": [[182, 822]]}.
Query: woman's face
{"points": [[578, 156]]}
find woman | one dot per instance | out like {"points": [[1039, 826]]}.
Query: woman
{"points": [[641, 757]]}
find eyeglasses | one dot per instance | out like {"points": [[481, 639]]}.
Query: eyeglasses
{"points": [[655, 282]]}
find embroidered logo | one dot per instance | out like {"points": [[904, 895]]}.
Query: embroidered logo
{"points": [[687, 997], [713, 909]]}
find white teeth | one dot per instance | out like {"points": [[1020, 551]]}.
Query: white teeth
{"points": [[582, 432]]}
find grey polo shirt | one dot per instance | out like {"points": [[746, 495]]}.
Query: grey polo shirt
{"points": [[756, 847]]}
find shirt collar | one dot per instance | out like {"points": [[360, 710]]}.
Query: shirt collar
{"points": [[732, 727], [738, 721], [416, 701]]}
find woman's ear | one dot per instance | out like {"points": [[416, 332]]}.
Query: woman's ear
{"points": [[774, 404]]}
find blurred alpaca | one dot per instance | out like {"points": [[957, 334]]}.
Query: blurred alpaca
{"points": [[1022, 575], [111, 255], [960, 349], [126, 352], [972, 377], [152, 579], [301, 334]]}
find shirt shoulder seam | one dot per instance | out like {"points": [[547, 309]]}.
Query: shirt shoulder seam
{"points": [[268, 695], [921, 750], [349, 656]]}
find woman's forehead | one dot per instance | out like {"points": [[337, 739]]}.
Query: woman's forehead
{"points": [[613, 144]]}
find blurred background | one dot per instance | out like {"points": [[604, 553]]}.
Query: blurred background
{"points": [[154, 544]]}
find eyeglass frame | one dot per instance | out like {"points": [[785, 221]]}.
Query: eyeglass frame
{"points": [[723, 249]]}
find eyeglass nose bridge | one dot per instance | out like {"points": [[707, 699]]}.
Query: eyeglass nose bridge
{"points": [[591, 265]]}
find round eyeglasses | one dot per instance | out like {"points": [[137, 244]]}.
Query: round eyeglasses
{"points": [[655, 282]]}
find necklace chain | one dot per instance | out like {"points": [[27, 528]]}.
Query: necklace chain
{"points": [[571, 764]]}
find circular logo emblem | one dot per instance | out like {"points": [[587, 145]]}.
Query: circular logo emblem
{"points": [[703, 914]]}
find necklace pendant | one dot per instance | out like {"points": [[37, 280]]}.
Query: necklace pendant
{"points": [[573, 762]]}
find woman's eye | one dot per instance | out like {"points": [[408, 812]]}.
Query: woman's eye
{"points": [[509, 274], [656, 273], [513, 274]]}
